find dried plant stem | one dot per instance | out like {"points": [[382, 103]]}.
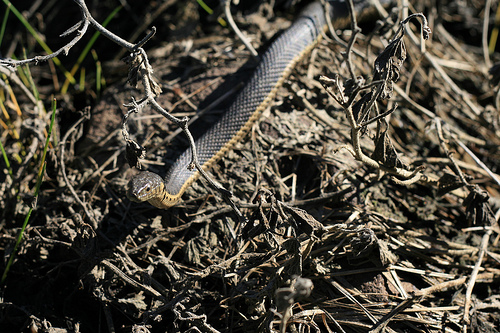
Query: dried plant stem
{"points": [[442, 142], [356, 151], [486, 23], [477, 160], [88, 213], [386, 72], [355, 31], [459, 92], [329, 23], [237, 31], [128, 280], [474, 276], [440, 287]]}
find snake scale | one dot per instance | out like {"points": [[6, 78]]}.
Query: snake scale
{"points": [[275, 66]]}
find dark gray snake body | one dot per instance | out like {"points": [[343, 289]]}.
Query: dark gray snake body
{"points": [[275, 66]]}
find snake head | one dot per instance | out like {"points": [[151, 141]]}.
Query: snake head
{"points": [[144, 186]]}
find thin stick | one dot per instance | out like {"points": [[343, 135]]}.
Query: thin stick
{"points": [[474, 275], [237, 31]]}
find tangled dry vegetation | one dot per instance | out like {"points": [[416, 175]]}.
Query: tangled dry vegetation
{"points": [[364, 200]]}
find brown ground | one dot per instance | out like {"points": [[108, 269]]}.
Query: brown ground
{"points": [[381, 256]]}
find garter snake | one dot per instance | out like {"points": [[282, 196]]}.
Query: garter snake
{"points": [[275, 66]]}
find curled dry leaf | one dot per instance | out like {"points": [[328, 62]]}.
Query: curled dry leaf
{"points": [[388, 65], [478, 210], [447, 183], [134, 152], [137, 63], [385, 153], [133, 60], [304, 222], [359, 108], [293, 266]]}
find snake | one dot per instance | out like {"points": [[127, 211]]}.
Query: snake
{"points": [[276, 64]]}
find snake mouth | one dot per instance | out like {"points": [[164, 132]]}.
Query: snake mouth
{"points": [[134, 196], [134, 193]]}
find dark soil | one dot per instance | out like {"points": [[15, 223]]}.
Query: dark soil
{"points": [[381, 255]]}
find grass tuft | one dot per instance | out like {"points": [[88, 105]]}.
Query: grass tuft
{"points": [[86, 50], [41, 172]]}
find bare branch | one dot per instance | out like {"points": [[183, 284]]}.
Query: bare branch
{"points": [[357, 109]]}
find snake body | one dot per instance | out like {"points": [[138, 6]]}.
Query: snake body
{"points": [[275, 66]]}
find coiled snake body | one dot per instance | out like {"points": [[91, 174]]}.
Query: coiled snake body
{"points": [[275, 66]]}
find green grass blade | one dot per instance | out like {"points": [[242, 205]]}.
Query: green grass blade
{"points": [[6, 159], [210, 11], [29, 77], [39, 181], [100, 82], [4, 24], [205, 7], [81, 85], [45, 148]]}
